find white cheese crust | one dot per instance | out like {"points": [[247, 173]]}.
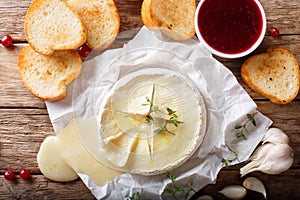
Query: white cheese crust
{"points": [[137, 131]]}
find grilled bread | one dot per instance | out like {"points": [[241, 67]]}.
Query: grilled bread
{"points": [[101, 19], [52, 25], [175, 18], [47, 76], [274, 74]]}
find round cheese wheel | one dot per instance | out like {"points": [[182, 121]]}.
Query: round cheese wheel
{"points": [[150, 122]]}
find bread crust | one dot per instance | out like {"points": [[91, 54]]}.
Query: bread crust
{"points": [[36, 27], [47, 77], [101, 19], [146, 14], [175, 18], [277, 68]]}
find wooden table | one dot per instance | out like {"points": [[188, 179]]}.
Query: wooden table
{"points": [[24, 121]]}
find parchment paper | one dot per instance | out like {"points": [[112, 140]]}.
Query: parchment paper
{"points": [[227, 105]]}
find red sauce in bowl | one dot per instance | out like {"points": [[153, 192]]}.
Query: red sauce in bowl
{"points": [[230, 26]]}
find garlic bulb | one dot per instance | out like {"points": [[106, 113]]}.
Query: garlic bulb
{"points": [[252, 183], [275, 136], [278, 158], [261, 152], [234, 192], [257, 158]]}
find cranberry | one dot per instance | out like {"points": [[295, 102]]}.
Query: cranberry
{"points": [[7, 41], [25, 174], [274, 32], [9, 175], [84, 50]]}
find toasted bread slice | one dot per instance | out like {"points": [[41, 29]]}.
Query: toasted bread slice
{"points": [[274, 74], [174, 17], [52, 25], [101, 19], [47, 76]]}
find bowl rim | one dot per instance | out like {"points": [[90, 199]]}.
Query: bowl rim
{"points": [[235, 55]]}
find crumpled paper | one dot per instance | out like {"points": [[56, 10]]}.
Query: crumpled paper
{"points": [[227, 105]]}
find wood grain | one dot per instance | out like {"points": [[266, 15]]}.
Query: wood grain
{"points": [[283, 14], [39, 188], [278, 187], [23, 130], [24, 120]]}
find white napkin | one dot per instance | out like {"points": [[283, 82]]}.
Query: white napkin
{"points": [[227, 105]]}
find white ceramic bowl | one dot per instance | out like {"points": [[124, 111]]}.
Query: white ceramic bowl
{"points": [[216, 52]]}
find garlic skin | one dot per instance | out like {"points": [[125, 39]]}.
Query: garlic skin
{"points": [[252, 183], [261, 152], [275, 136], [257, 158], [234, 192], [278, 159], [205, 197]]}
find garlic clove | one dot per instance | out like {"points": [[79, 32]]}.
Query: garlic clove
{"points": [[279, 159], [275, 136], [256, 159], [252, 183], [205, 197], [261, 151], [234, 192]]}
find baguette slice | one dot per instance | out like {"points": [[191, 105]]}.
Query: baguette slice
{"points": [[52, 25], [174, 17], [274, 74], [101, 19], [47, 76]]}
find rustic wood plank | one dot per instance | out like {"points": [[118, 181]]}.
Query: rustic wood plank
{"points": [[23, 130], [40, 188], [14, 94], [24, 121], [12, 17], [12, 91], [277, 186], [283, 14], [291, 42]]}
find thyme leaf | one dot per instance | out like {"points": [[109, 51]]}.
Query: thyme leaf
{"points": [[243, 127], [173, 116], [175, 189], [155, 108], [135, 196], [226, 161], [235, 154]]}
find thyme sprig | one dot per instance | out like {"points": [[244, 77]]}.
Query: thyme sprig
{"points": [[135, 196], [175, 189], [243, 127], [227, 161], [235, 156], [172, 116]]}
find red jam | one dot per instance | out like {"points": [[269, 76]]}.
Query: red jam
{"points": [[230, 26]]}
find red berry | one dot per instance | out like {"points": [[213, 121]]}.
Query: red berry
{"points": [[274, 32], [84, 50], [7, 41], [25, 174], [9, 175]]}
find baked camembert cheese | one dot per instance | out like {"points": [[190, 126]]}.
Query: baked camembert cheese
{"points": [[150, 122]]}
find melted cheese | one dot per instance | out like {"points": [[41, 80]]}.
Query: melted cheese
{"points": [[61, 157]]}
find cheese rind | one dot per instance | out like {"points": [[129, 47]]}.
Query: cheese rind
{"points": [[138, 133]]}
